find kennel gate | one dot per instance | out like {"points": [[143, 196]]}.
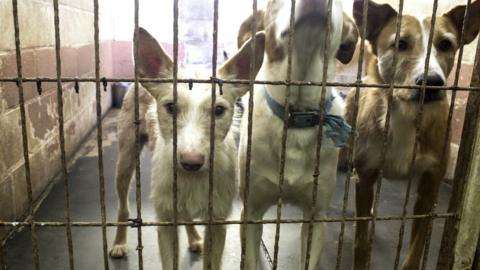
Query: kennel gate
{"points": [[462, 224]]}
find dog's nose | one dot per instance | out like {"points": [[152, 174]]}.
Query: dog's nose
{"points": [[191, 161], [432, 80]]}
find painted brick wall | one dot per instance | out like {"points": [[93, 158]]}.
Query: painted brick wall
{"points": [[38, 56]]}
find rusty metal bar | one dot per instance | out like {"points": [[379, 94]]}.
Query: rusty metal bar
{"points": [[291, 36], [419, 120], [318, 147], [264, 82], [212, 136], [246, 188], [61, 135], [175, 135], [215, 222], [21, 101], [101, 176], [3, 263], [350, 154], [138, 146], [445, 261]]}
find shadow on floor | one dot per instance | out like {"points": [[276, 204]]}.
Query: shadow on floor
{"points": [[87, 241]]}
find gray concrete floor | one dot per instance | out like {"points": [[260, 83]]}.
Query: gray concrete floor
{"points": [[87, 243]]}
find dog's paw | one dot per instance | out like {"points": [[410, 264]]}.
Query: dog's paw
{"points": [[196, 247], [119, 251]]}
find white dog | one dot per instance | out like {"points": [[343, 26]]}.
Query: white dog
{"points": [[307, 65], [193, 112]]}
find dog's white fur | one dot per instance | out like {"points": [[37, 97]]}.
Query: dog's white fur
{"points": [[193, 133], [307, 60]]}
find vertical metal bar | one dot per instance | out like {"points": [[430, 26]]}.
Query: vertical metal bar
{"points": [[449, 233], [3, 264], [419, 120], [291, 35], [212, 134], [138, 147], [175, 134], [101, 177], [61, 135], [318, 149], [21, 101], [246, 188], [350, 155]]}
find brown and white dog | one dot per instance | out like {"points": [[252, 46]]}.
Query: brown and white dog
{"points": [[429, 166], [307, 65], [193, 110]]}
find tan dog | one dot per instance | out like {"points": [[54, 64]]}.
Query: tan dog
{"points": [[193, 111], [429, 166], [307, 64]]}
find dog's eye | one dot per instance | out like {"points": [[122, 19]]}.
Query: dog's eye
{"points": [[402, 45], [170, 108], [445, 45], [219, 110]]}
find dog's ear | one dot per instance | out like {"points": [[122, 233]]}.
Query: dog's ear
{"points": [[238, 66], [349, 40], [245, 31], [378, 16], [152, 61], [456, 16]]}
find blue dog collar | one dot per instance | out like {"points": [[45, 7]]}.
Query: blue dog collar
{"points": [[335, 127]]}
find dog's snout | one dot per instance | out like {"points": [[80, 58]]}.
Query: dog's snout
{"points": [[191, 161], [432, 80]]}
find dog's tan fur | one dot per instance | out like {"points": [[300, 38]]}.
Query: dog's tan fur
{"points": [[193, 111], [430, 164]]}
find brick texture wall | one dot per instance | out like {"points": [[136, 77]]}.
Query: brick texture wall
{"points": [[38, 56]]}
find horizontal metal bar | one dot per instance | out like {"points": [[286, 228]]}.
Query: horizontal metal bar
{"points": [[217, 222], [209, 81]]}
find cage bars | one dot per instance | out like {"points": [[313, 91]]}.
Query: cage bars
{"points": [[175, 134], [101, 176], [286, 105], [248, 159], [26, 158], [213, 81], [137, 222], [316, 173], [61, 135]]}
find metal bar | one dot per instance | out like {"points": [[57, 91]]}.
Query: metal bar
{"points": [[261, 82], [318, 147], [350, 154], [26, 158], [175, 135], [469, 228], [3, 263], [138, 147], [291, 35], [450, 227], [101, 176], [246, 188], [16, 224], [212, 136], [61, 135]]}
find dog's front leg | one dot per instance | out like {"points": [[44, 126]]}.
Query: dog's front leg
{"points": [[166, 236], [253, 236], [318, 238], [363, 199], [426, 192], [216, 235]]}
